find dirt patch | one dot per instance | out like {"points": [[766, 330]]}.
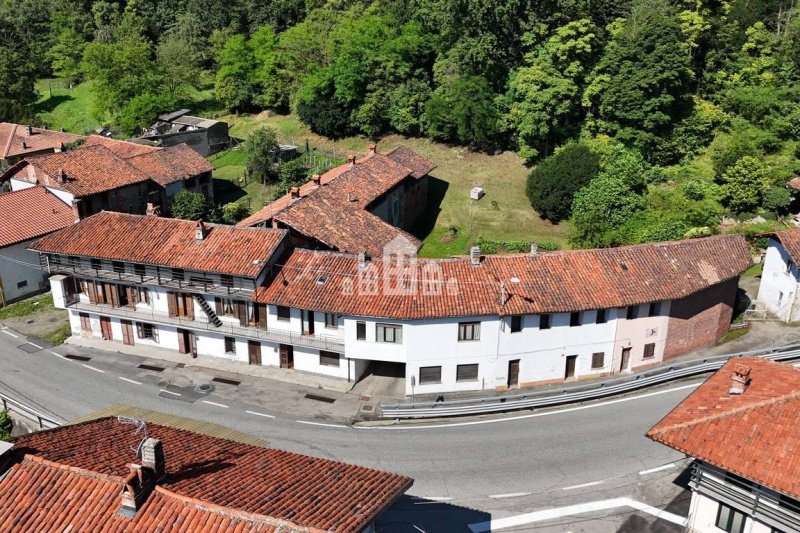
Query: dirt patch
{"points": [[39, 324]]}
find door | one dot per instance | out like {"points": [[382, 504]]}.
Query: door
{"points": [[184, 340], [626, 357], [513, 373], [569, 371], [127, 332], [287, 355], [254, 352], [193, 344], [105, 328], [308, 322]]}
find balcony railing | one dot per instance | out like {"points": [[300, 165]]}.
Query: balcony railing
{"points": [[200, 322], [763, 504]]}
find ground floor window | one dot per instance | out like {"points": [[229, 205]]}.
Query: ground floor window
{"points": [[430, 374], [147, 331], [230, 345], [467, 372], [649, 351], [328, 358], [598, 360], [86, 323], [729, 519]]}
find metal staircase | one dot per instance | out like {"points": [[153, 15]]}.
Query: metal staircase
{"points": [[212, 316]]}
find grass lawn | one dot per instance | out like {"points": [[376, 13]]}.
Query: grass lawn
{"points": [[36, 304], [61, 107], [230, 184]]}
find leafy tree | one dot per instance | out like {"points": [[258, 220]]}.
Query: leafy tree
{"points": [[727, 150], [744, 184], [263, 154], [233, 85], [178, 62], [552, 185], [66, 53], [6, 425], [601, 209], [318, 106], [233, 212], [189, 205], [16, 72], [777, 200], [463, 110], [140, 111]]}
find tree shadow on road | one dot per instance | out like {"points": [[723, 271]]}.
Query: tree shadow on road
{"points": [[414, 515]]}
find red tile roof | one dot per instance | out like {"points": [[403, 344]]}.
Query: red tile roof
{"points": [[123, 149], [410, 159], [167, 242], [31, 213], [15, 141], [88, 170], [548, 282], [217, 474], [790, 240], [168, 165], [755, 435]]}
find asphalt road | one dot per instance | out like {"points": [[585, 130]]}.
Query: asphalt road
{"points": [[466, 463]]}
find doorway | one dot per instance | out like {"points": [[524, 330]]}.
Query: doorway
{"points": [[254, 352], [184, 340], [569, 371], [287, 355], [127, 332], [308, 322], [626, 357], [513, 374], [105, 328]]}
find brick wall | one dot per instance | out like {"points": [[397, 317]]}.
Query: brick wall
{"points": [[700, 319]]}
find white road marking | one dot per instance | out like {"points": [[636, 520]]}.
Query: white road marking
{"points": [[214, 403], [170, 392], [130, 380], [35, 345], [9, 333], [321, 424], [93, 368], [583, 485], [57, 355], [582, 508], [259, 414], [657, 469], [535, 415], [509, 495], [436, 498]]}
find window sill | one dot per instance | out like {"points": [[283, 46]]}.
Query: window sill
{"points": [[469, 340], [430, 383]]}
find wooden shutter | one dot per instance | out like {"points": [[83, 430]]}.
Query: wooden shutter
{"points": [[241, 311], [260, 314], [140, 330], [155, 334], [113, 291], [218, 306], [189, 306], [92, 292], [172, 304], [132, 295], [182, 341]]}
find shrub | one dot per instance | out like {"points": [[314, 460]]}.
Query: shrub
{"points": [[189, 205], [777, 200], [6, 425]]}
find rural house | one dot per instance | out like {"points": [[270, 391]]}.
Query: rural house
{"points": [[205, 136], [18, 141], [742, 427], [780, 276]]}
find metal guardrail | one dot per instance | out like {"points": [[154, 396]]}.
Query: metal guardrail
{"points": [[620, 385], [44, 421]]}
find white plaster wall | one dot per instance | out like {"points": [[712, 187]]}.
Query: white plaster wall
{"points": [[369, 349], [307, 360], [12, 272], [776, 280], [637, 332], [703, 516]]}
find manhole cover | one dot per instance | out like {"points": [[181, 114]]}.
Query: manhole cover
{"points": [[205, 388], [365, 398], [366, 408]]}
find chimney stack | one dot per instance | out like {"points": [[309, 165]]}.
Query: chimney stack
{"points": [[475, 255], [200, 231], [24, 145], [373, 148], [740, 379], [351, 159], [362, 260], [152, 210], [76, 212], [316, 178], [295, 192], [29, 130], [62, 175], [503, 293], [534, 248], [153, 457]]}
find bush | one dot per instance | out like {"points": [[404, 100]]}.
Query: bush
{"points": [[552, 185], [777, 200], [463, 110], [6, 425], [189, 205], [263, 154], [233, 212], [744, 184]]}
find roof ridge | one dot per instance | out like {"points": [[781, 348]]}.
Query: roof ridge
{"points": [[92, 474], [10, 139], [735, 411]]}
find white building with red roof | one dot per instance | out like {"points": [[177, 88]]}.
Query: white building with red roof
{"points": [[780, 276], [742, 427]]}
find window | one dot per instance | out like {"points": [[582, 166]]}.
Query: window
{"points": [[601, 316], [649, 351], [467, 372], [147, 331], [22, 284], [729, 519], [331, 320], [633, 312], [284, 313], [598, 360], [74, 261], [788, 266], [361, 331], [177, 273], [655, 309], [430, 374], [226, 281], [469, 331], [388, 333], [574, 319], [228, 307], [54, 260], [544, 321], [328, 358], [86, 324], [516, 323], [118, 267], [143, 295], [97, 264], [139, 270], [230, 345]]}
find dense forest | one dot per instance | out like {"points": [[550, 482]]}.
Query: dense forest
{"points": [[645, 119]]}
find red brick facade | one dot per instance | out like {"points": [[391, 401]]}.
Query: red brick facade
{"points": [[700, 319]]}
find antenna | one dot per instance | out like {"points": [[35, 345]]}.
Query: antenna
{"points": [[141, 425]]}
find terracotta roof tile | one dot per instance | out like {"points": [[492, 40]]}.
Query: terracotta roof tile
{"points": [[410, 159], [166, 242], [308, 491], [790, 240], [123, 149], [172, 164], [548, 282], [31, 213], [15, 141], [755, 434]]}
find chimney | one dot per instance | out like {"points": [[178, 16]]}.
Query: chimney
{"points": [[153, 457], [351, 159], [29, 130], [534, 248], [475, 255], [295, 192], [316, 178], [138, 486], [62, 175], [200, 231], [76, 211], [373, 148], [503, 293], [362, 260], [24, 145], [152, 210], [740, 379]]}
